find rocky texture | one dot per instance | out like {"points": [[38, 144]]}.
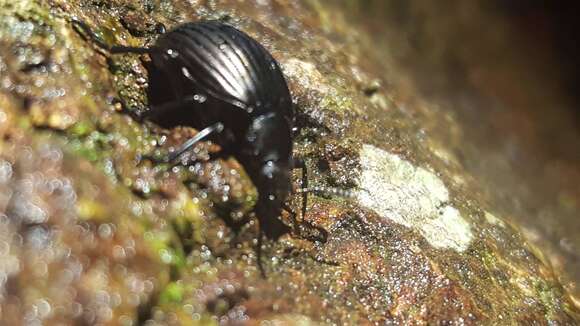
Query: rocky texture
{"points": [[89, 235], [505, 72]]}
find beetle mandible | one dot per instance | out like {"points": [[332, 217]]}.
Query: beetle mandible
{"points": [[219, 80]]}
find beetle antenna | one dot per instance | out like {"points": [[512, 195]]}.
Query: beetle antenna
{"points": [[328, 191]]}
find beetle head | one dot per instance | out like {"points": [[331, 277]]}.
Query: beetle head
{"points": [[273, 186], [274, 182]]}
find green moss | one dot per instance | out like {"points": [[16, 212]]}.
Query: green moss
{"points": [[81, 129], [548, 295], [173, 293], [167, 246], [84, 151], [24, 123]]}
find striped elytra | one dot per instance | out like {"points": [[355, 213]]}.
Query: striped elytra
{"points": [[229, 65], [219, 61]]}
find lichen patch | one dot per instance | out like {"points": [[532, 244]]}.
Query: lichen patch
{"points": [[412, 196]]}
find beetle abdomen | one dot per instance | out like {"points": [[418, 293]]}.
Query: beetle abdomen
{"points": [[226, 64]]}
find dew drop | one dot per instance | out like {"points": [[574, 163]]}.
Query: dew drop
{"points": [[172, 53]]}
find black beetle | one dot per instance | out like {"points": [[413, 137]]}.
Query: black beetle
{"points": [[219, 80]]}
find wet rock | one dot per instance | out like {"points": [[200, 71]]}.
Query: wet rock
{"points": [[94, 234], [72, 248]]}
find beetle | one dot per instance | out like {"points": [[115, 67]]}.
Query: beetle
{"points": [[219, 80]]}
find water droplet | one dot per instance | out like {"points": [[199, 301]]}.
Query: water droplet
{"points": [[199, 98], [165, 256], [5, 171], [172, 53], [186, 73], [105, 231], [43, 308]]}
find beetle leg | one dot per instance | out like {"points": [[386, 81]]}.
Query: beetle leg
{"points": [[161, 110], [117, 49], [156, 112], [153, 113], [294, 217], [125, 109], [259, 253], [187, 145], [216, 127], [308, 234], [303, 227]]}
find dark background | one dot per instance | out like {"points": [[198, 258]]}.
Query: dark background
{"points": [[558, 22]]}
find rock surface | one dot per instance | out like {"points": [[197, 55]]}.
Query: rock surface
{"points": [[91, 236]]}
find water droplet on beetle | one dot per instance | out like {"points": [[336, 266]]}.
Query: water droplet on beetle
{"points": [[172, 53]]}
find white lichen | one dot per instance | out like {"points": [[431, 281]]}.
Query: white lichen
{"points": [[411, 196]]}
